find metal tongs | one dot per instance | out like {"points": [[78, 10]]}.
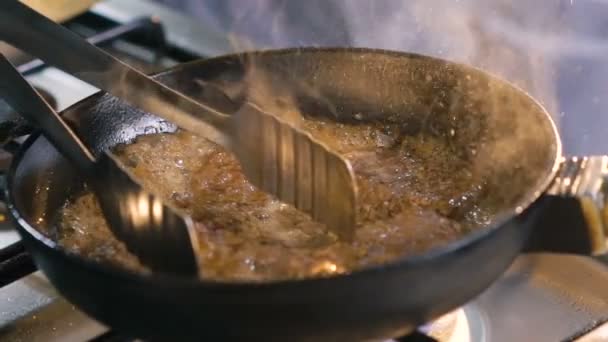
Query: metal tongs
{"points": [[275, 156], [161, 238]]}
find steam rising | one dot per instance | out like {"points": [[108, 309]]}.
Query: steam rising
{"points": [[516, 40], [498, 36]]}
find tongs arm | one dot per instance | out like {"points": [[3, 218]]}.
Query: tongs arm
{"points": [[32, 32], [15, 90]]}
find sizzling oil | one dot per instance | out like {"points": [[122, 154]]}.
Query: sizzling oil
{"points": [[414, 194]]}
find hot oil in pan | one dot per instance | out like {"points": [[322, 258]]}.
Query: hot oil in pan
{"points": [[415, 194]]}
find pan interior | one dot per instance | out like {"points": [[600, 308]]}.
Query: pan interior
{"points": [[503, 138], [507, 138]]}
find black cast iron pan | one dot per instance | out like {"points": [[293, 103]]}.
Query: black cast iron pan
{"points": [[507, 136]]}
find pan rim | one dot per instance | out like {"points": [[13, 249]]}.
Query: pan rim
{"points": [[499, 221]]}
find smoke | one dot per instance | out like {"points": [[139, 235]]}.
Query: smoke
{"points": [[554, 49], [486, 34], [516, 40]]}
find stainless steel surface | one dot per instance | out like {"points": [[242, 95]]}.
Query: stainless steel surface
{"points": [[158, 235], [31, 311], [276, 156], [66, 88], [545, 297]]}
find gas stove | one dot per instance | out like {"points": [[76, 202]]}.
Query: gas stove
{"points": [[542, 297]]}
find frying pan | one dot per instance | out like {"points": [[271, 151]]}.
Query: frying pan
{"points": [[509, 139]]}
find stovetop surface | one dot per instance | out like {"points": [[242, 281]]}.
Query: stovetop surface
{"points": [[535, 300]]}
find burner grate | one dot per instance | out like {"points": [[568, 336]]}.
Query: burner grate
{"points": [[146, 31], [14, 263]]}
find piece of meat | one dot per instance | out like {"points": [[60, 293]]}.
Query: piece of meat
{"points": [[408, 187]]}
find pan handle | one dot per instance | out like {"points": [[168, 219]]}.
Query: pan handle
{"points": [[581, 182]]}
